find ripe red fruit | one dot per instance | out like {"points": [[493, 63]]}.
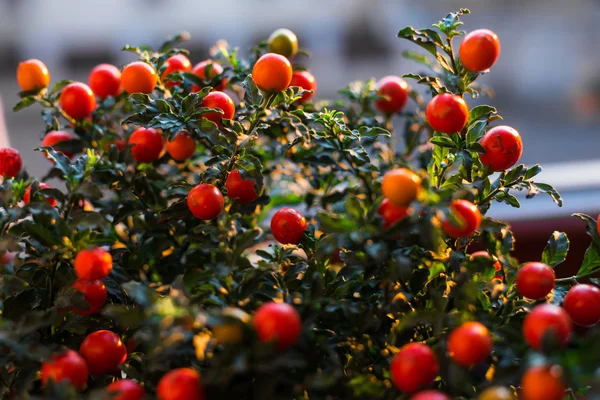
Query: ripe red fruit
{"points": [[272, 73], [221, 101], [401, 186], [105, 81], [139, 77], [181, 147], [447, 113], [470, 344], [205, 201], [93, 264], [95, 295], [43, 185], [582, 303], [395, 94], [178, 62], [390, 213], [306, 81], [413, 367], [10, 162], [147, 144], [104, 352], [535, 280], [77, 100], [479, 50], [430, 395], [68, 366], [503, 148], [467, 216], [542, 382], [242, 190], [546, 319], [288, 226], [485, 254], [125, 389], [55, 137], [216, 69], [180, 384], [277, 322]]}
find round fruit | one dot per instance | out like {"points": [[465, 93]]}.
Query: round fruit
{"points": [[93, 264], [104, 352], [278, 322], [394, 92], [272, 73], [32, 75], [479, 50], [430, 395], [401, 186], [95, 295], [181, 147], [535, 280], [288, 226], [43, 185], [180, 384], [497, 393], [582, 303], [125, 389], [178, 62], [216, 69], [485, 254], [467, 219], [10, 162], [284, 42], [413, 367], [77, 100], [55, 137], [470, 344], [390, 213], [546, 319], [68, 366], [503, 148], [447, 113], [205, 201], [242, 190], [139, 77], [219, 100], [306, 81], [542, 383], [147, 144], [105, 81]]}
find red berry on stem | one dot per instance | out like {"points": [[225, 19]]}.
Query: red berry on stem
{"points": [[147, 144], [288, 226], [582, 303], [77, 100], [306, 81], [535, 280], [503, 148], [479, 50], [105, 81], [447, 113], [55, 137], [125, 389], [470, 344], [205, 201], [180, 384], [242, 190], [95, 295], [221, 101], [178, 62], [182, 147], [391, 213], [93, 264], [68, 366], [413, 367], [10, 162], [215, 69], [277, 322], [467, 219], [394, 91], [546, 319], [104, 352]]}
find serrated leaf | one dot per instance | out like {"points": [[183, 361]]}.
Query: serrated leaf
{"points": [[252, 95]]}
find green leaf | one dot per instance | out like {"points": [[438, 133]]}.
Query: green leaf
{"points": [[421, 38], [476, 131], [556, 250], [371, 132], [532, 171], [26, 102], [481, 112], [174, 40], [252, 95], [548, 189], [444, 141], [509, 199], [591, 260]]}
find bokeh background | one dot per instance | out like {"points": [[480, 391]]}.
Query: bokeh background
{"points": [[546, 82]]}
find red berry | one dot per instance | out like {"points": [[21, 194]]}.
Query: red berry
{"points": [[394, 91], [272, 73], [413, 367], [535, 280], [105, 81], [242, 190], [216, 69], [430, 395], [43, 185], [182, 147], [447, 113], [95, 295], [180, 384], [546, 319], [221, 101], [10, 162], [125, 389], [503, 148], [582, 303], [467, 219], [542, 382], [77, 100], [93, 264], [479, 50], [306, 81], [55, 137], [104, 352], [178, 62], [288, 226], [277, 322], [139, 77], [68, 366], [391, 213], [470, 344], [147, 145], [205, 201]]}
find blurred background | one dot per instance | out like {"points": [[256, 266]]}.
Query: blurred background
{"points": [[546, 81]]}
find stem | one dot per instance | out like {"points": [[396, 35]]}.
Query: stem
{"points": [[575, 277], [494, 192], [450, 52]]}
